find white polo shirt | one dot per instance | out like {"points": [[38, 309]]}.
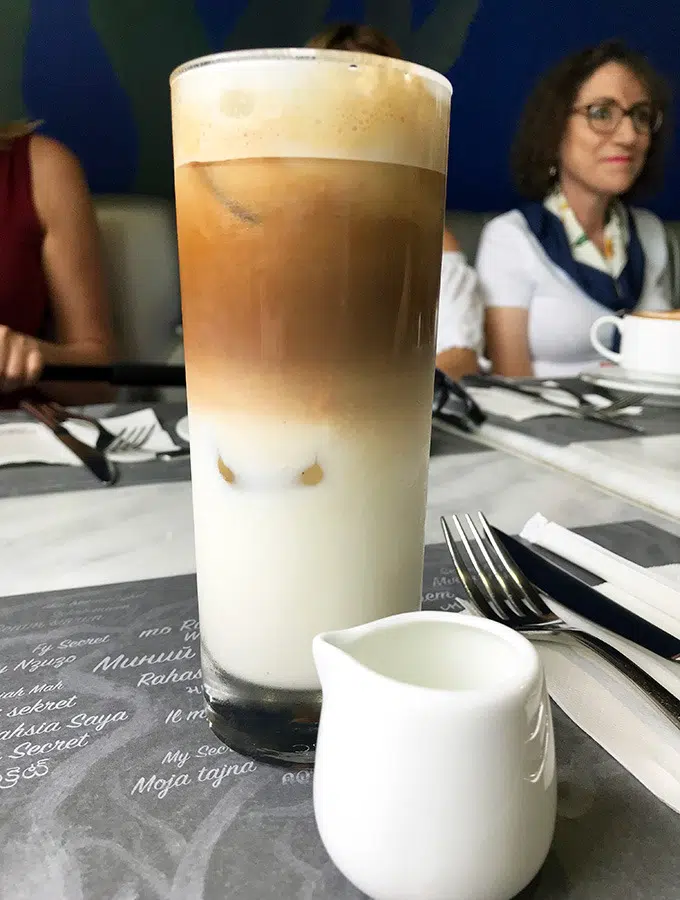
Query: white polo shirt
{"points": [[515, 271], [461, 310]]}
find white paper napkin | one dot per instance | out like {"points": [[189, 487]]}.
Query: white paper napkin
{"points": [[600, 700], [520, 407], [652, 595], [32, 442]]}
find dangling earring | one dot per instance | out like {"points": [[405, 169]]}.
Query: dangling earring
{"points": [[552, 171]]}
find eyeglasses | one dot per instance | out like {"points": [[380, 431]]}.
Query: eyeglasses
{"points": [[605, 116], [452, 405]]}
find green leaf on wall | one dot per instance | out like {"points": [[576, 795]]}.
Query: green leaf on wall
{"points": [[440, 38], [16, 15], [392, 17], [145, 41], [277, 23]]}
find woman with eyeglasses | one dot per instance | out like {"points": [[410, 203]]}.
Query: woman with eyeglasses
{"points": [[591, 136]]}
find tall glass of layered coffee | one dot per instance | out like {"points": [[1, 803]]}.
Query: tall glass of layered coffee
{"points": [[310, 195]]}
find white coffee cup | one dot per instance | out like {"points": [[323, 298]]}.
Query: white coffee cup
{"points": [[435, 762], [650, 342]]}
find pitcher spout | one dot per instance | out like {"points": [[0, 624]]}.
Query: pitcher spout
{"points": [[358, 652], [464, 660], [333, 657]]}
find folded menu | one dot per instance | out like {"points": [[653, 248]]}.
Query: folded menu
{"points": [[597, 697], [32, 442]]}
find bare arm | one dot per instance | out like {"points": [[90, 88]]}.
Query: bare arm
{"points": [[457, 362], [72, 262], [504, 266], [507, 340], [460, 360], [451, 245]]}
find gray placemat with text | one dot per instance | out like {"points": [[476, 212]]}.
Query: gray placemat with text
{"points": [[112, 787]]}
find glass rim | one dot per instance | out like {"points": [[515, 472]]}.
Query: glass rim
{"points": [[308, 54]]}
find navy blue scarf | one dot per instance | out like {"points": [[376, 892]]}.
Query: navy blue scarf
{"points": [[622, 293]]}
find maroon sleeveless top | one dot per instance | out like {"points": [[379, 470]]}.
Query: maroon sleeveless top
{"points": [[24, 295]]}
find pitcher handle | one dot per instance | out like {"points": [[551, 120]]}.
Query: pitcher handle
{"points": [[597, 343]]}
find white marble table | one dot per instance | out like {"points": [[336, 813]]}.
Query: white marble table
{"points": [[641, 468], [105, 536], [105, 826]]}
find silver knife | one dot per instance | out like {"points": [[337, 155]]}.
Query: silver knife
{"points": [[96, 461], [575, 412], [549, 575]]}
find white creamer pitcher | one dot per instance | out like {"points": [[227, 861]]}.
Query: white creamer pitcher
{"points": [[435, 762]]}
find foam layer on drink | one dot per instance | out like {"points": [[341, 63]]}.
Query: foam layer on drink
{"points": [[310, 103]]}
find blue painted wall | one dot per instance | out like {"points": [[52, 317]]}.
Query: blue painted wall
{"points": [[96, 70]]}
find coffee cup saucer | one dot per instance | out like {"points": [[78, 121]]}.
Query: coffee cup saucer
{"points": [[182, 428], [615, 377]]}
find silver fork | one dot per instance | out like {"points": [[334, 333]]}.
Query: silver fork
{"points": [[537, 388], [130, 438], [622, 403], [585, 410], [580, 395], [503, 593]]}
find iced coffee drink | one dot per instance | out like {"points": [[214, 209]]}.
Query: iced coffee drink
{"points": [[310, 193]]}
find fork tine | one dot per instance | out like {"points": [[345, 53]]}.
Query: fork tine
{"points": [[527, 592], [149, 430], [119, 442], [124, 441], [491, 607], [506, 589], [477, 601], [140, 436], [131, 438], [624, 403]]}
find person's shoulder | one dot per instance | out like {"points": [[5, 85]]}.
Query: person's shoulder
{"points": [[511, 224], [652, 234], [647, 222], [507, 232], [58, 178], [50, 156]]}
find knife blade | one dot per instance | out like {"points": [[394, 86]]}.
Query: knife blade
{"points": [[553, 579], [93, 459]]}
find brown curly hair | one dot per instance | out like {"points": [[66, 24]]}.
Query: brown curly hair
{"points": [[544, 120], [356, 38]]}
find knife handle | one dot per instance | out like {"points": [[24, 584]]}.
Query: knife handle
{"points": [[550, 576], [37, 412], [119, 374], [666, 702], [95, 460]]}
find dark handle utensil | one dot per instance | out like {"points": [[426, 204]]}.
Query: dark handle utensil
{"points": [[94, 460], [555, 580], [120, 374]]}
